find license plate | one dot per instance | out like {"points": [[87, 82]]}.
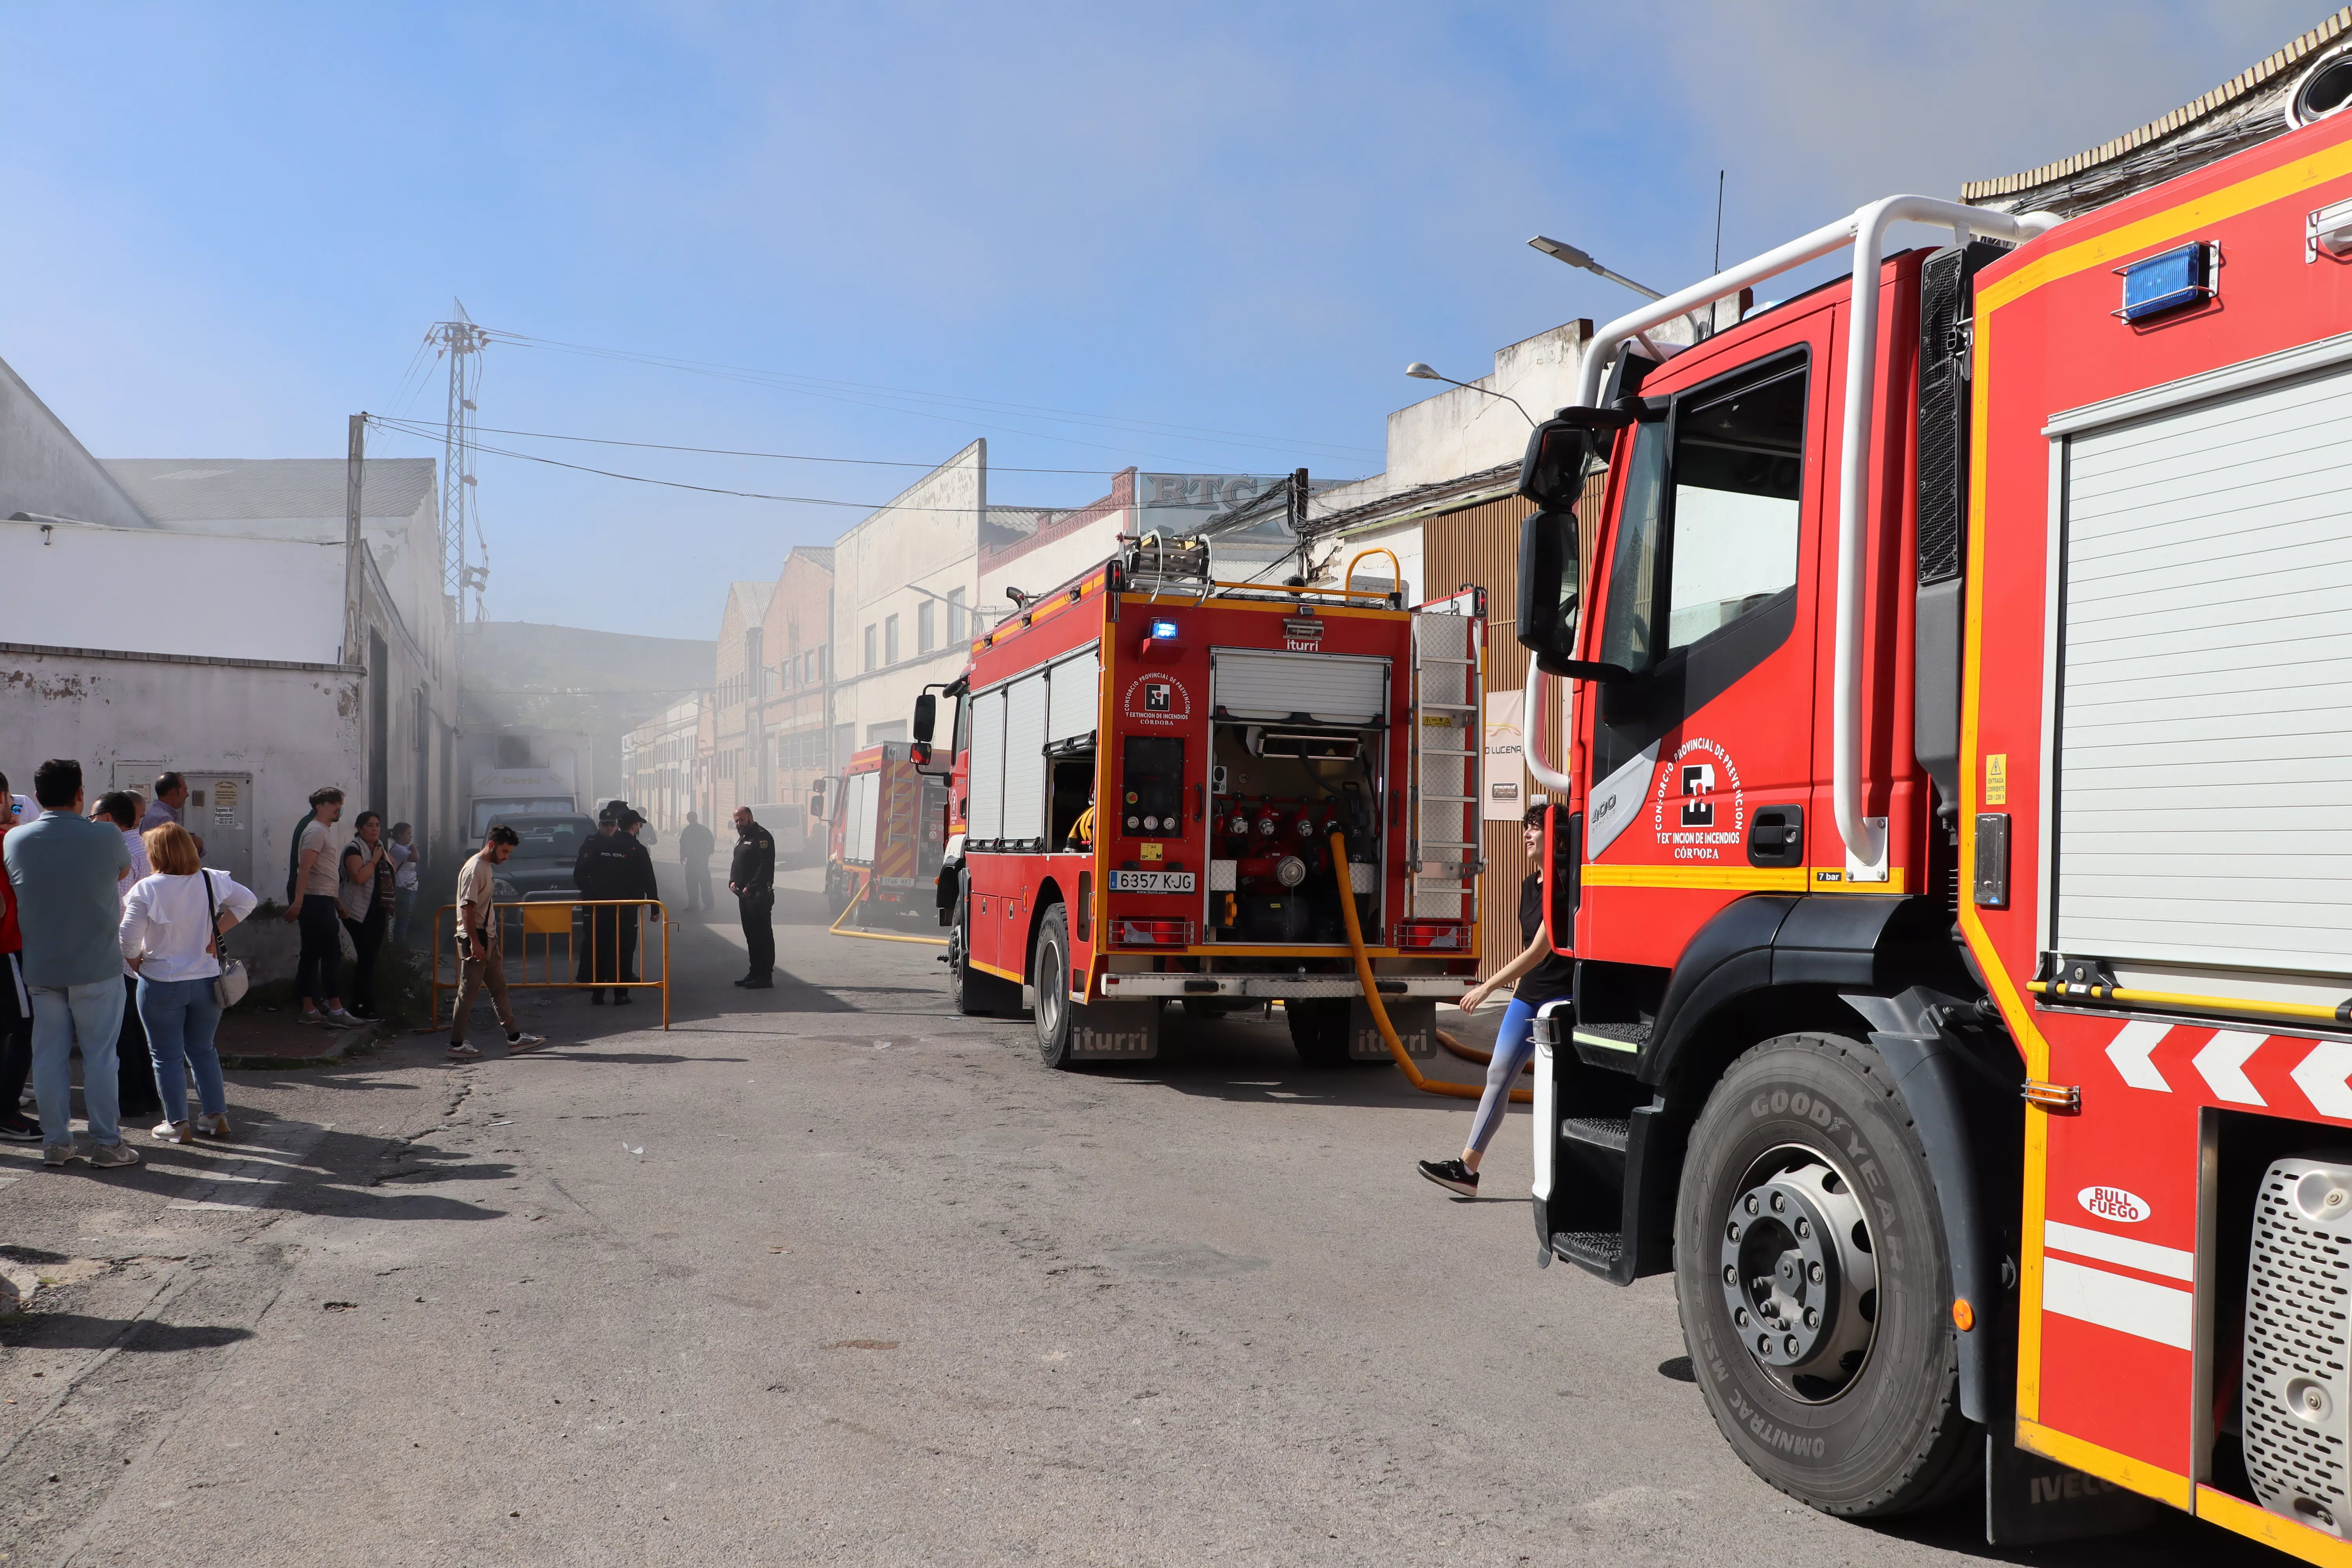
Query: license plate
{"points": [[1151, 881]]}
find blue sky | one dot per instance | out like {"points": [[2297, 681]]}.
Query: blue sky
{"points": [[1215, 233]]}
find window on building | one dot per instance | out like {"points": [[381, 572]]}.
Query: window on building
{"points": [[872, 647], [958, 627], [889, 639], [925, 637]]}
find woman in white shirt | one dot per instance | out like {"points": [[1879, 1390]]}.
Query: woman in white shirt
{"points": [[169, 937]]}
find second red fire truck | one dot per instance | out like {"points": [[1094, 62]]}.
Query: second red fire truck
{"points": [[1954, 839], [1174, 787]]}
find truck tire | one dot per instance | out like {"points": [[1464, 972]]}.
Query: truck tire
{"points": [[836, 897], [1319, 1030], [1820, 1329], [976, 993], [1050, 970]]}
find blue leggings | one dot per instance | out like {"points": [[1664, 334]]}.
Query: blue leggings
{"points": [[1514, 1044]]}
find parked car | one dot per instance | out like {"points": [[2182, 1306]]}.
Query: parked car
{"points": [[542, 864]]}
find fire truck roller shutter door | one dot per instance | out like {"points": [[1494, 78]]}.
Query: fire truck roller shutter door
{"points": [[863, 797], [986, 810], [2206, 726], [1024, 759], [1071, 710], [1332, 688]]}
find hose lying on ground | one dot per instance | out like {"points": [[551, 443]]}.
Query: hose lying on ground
{"points": [[1372, 993], [1473, 1053], [834, 929]]}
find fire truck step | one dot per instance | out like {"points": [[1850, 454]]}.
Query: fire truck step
{"points": [[1597, 1250], [1610, 1132]]}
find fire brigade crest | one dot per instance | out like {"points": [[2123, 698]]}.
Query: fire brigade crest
{"points": [[1157, 696], [1700, 785]]}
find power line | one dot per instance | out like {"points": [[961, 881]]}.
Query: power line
{"points": [[680, 485], [432, 431], [840, 391]]}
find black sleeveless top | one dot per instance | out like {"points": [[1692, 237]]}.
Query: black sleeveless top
{"points": [[1553, 980]]}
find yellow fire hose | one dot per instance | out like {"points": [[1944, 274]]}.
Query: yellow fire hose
{"points": [[851, 908], [1372, 995]]}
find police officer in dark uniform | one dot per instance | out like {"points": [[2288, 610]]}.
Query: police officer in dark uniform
{"points": [[751, 877], [636, 882], [604, 870]]}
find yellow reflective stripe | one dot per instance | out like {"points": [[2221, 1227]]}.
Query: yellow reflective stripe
{"points": [[2138, 1475], [1719, 878], [2110, 248]]}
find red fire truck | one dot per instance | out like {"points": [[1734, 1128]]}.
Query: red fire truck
{"points": [[1260, 760], [1955, 839], [885, 823]]}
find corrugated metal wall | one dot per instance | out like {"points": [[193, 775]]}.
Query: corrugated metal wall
{"points": [[1480, 545]]}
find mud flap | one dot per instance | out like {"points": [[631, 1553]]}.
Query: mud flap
{"points": [[2029, 1499], [1115, 1031], [1415, 1022]]}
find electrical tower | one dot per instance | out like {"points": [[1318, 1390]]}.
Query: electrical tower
{"points": [[460, 342]]}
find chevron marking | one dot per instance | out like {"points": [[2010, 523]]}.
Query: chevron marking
{"points": [[2129, 1051], [2222, 1064], [2321, 1076]]}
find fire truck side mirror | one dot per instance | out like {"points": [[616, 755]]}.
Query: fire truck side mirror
{"points": [[927, 714], [816, 801], [1548, 583]]}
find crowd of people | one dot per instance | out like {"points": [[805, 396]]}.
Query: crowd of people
{"points": [[112, 928]]}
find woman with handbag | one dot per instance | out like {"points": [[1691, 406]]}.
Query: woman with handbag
{"points": [[171, 927]]}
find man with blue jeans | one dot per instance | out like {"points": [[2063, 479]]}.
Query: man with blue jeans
{"points": [[63, 871]]}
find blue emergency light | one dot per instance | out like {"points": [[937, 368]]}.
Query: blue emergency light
{"points": [[1163, 631], [2156, 284]]}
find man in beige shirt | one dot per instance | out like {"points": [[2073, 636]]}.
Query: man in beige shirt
{"points": [[481, 958]]}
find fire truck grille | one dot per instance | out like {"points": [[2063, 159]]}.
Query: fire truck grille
{"points": [[2298, 1392]]}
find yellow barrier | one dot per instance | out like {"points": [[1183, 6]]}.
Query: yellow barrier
{"points": [[551, 918]]}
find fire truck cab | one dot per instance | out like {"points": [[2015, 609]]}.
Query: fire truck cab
{"points": [[1955, 837], [1174, 787]]}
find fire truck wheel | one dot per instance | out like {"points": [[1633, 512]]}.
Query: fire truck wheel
{"points": [[1813, 1283], [1052, 968], [836, 897], [1319, 1029]]}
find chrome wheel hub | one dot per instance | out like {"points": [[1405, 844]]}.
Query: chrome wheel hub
{"points": [[1798, 1273]]}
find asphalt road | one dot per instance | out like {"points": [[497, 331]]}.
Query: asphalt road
{"points": [[827, 1273]]}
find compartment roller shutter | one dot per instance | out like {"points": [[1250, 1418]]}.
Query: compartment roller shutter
{"points": [[1075, 703], [986, 810], [2205, 738], [1024, 758], [1329, 688]]}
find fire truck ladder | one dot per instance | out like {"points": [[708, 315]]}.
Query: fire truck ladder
{"points": [[1444, 852]]}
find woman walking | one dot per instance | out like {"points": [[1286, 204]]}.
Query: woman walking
{"points": [[364, 899], [1542, 976], [171, 924]]}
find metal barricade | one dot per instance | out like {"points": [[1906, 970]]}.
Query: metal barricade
{"points": [[586, 940]]}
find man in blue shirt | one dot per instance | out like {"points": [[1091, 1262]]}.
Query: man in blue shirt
{"points": [[64, 871]]}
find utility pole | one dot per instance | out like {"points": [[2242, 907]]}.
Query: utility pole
{"points": [[355, 474], [460, 342]]}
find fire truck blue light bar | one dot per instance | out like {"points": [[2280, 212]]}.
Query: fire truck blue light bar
{"points": [[2181, 275], [1163, 631]]}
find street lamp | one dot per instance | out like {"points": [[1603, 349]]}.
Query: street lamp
{"points": [[1421, 371], [1560, 250]]}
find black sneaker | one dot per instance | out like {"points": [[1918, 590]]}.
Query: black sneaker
{"points": [[758, 982], [1453, 1176], [622, 999], [596, 998], [14, 1130]]}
